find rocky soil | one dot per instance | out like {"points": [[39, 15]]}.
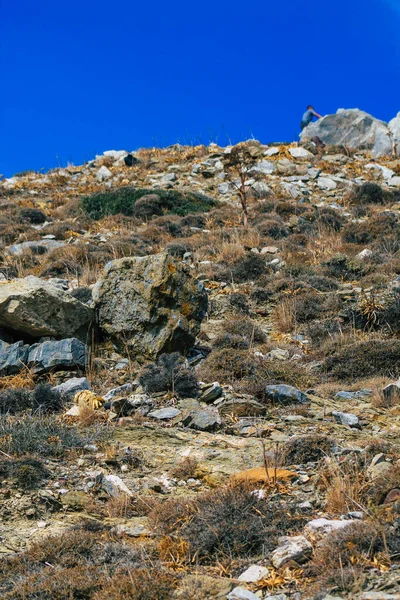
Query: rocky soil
{"points": [[196, 402]]}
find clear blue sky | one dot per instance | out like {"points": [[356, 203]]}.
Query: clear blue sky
{"points": [[78, 78]]}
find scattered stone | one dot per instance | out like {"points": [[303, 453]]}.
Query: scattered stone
{"points": [[323, 526], [300, 153], [118, 391], [165, 414], [113, 485], [203, 419], [210, 392], [37, 247], [241, 593], [242, 406], [392, 496], [296, 548], [285, 394], [346, 419], [254, 574], [103, 173], [326, 183], [69, 388], [366, 253], [391, 393]]}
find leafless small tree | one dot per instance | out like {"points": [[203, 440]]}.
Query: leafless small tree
{"points": [[238, 163]]}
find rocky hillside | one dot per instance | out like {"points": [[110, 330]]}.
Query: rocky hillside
{"points": [[200, 362]]}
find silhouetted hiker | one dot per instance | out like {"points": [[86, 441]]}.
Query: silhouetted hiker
{"points": [[308, 116]]}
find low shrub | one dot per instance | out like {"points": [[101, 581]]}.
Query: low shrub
{"points": [[308, 448], [27, 472], [32, 215], [43, 436], [363, 359], [43, 399], [151, 202], [170, 373], [330, 218], [228, 521], [245, 328], [272, 228], [343, 268], [240, 303], [249, 268], [375, 228]]}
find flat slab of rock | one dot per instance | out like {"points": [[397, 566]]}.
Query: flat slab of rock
{"points": [[253, 574], [296, 548], [150, 303], [241, 593], [36, 308], [37, 247], [346, 419], [285, 394], [63, 354], [203, 419], [69, 388], [165, 414], [323, 526], [391, 392]]}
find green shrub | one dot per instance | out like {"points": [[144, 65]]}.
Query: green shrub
{"points": [[145, 203]]}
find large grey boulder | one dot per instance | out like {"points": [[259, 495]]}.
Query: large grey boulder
{"points": [[63, 354], [38, 247], [69, 388], [353, 128], [34, 308], [151, 304], [394, 128]]}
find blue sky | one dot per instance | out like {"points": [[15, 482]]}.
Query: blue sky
{"points": [[78, 78]]}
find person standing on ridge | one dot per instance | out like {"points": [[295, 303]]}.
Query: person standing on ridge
{"points": [[308, 116]]}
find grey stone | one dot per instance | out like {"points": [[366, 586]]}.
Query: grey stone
{"points": [[203, 419], [286, 394], [353, 395], [242, 406], [241, 593], [300, 153], [253, 574], [69, 388], [323, 526], [140, 403], [273, 151], [326, 183], [13, 357], [379, 596], [391, 392], [352, 128], [380, 170], [37, 308], [346, 419], [38, 247], [366, 253], [103, 173], [210, 392], [151, 304], [113, 485], [118, 391], [296, 548], [165, 414], [66, 354], [266, 167]]}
